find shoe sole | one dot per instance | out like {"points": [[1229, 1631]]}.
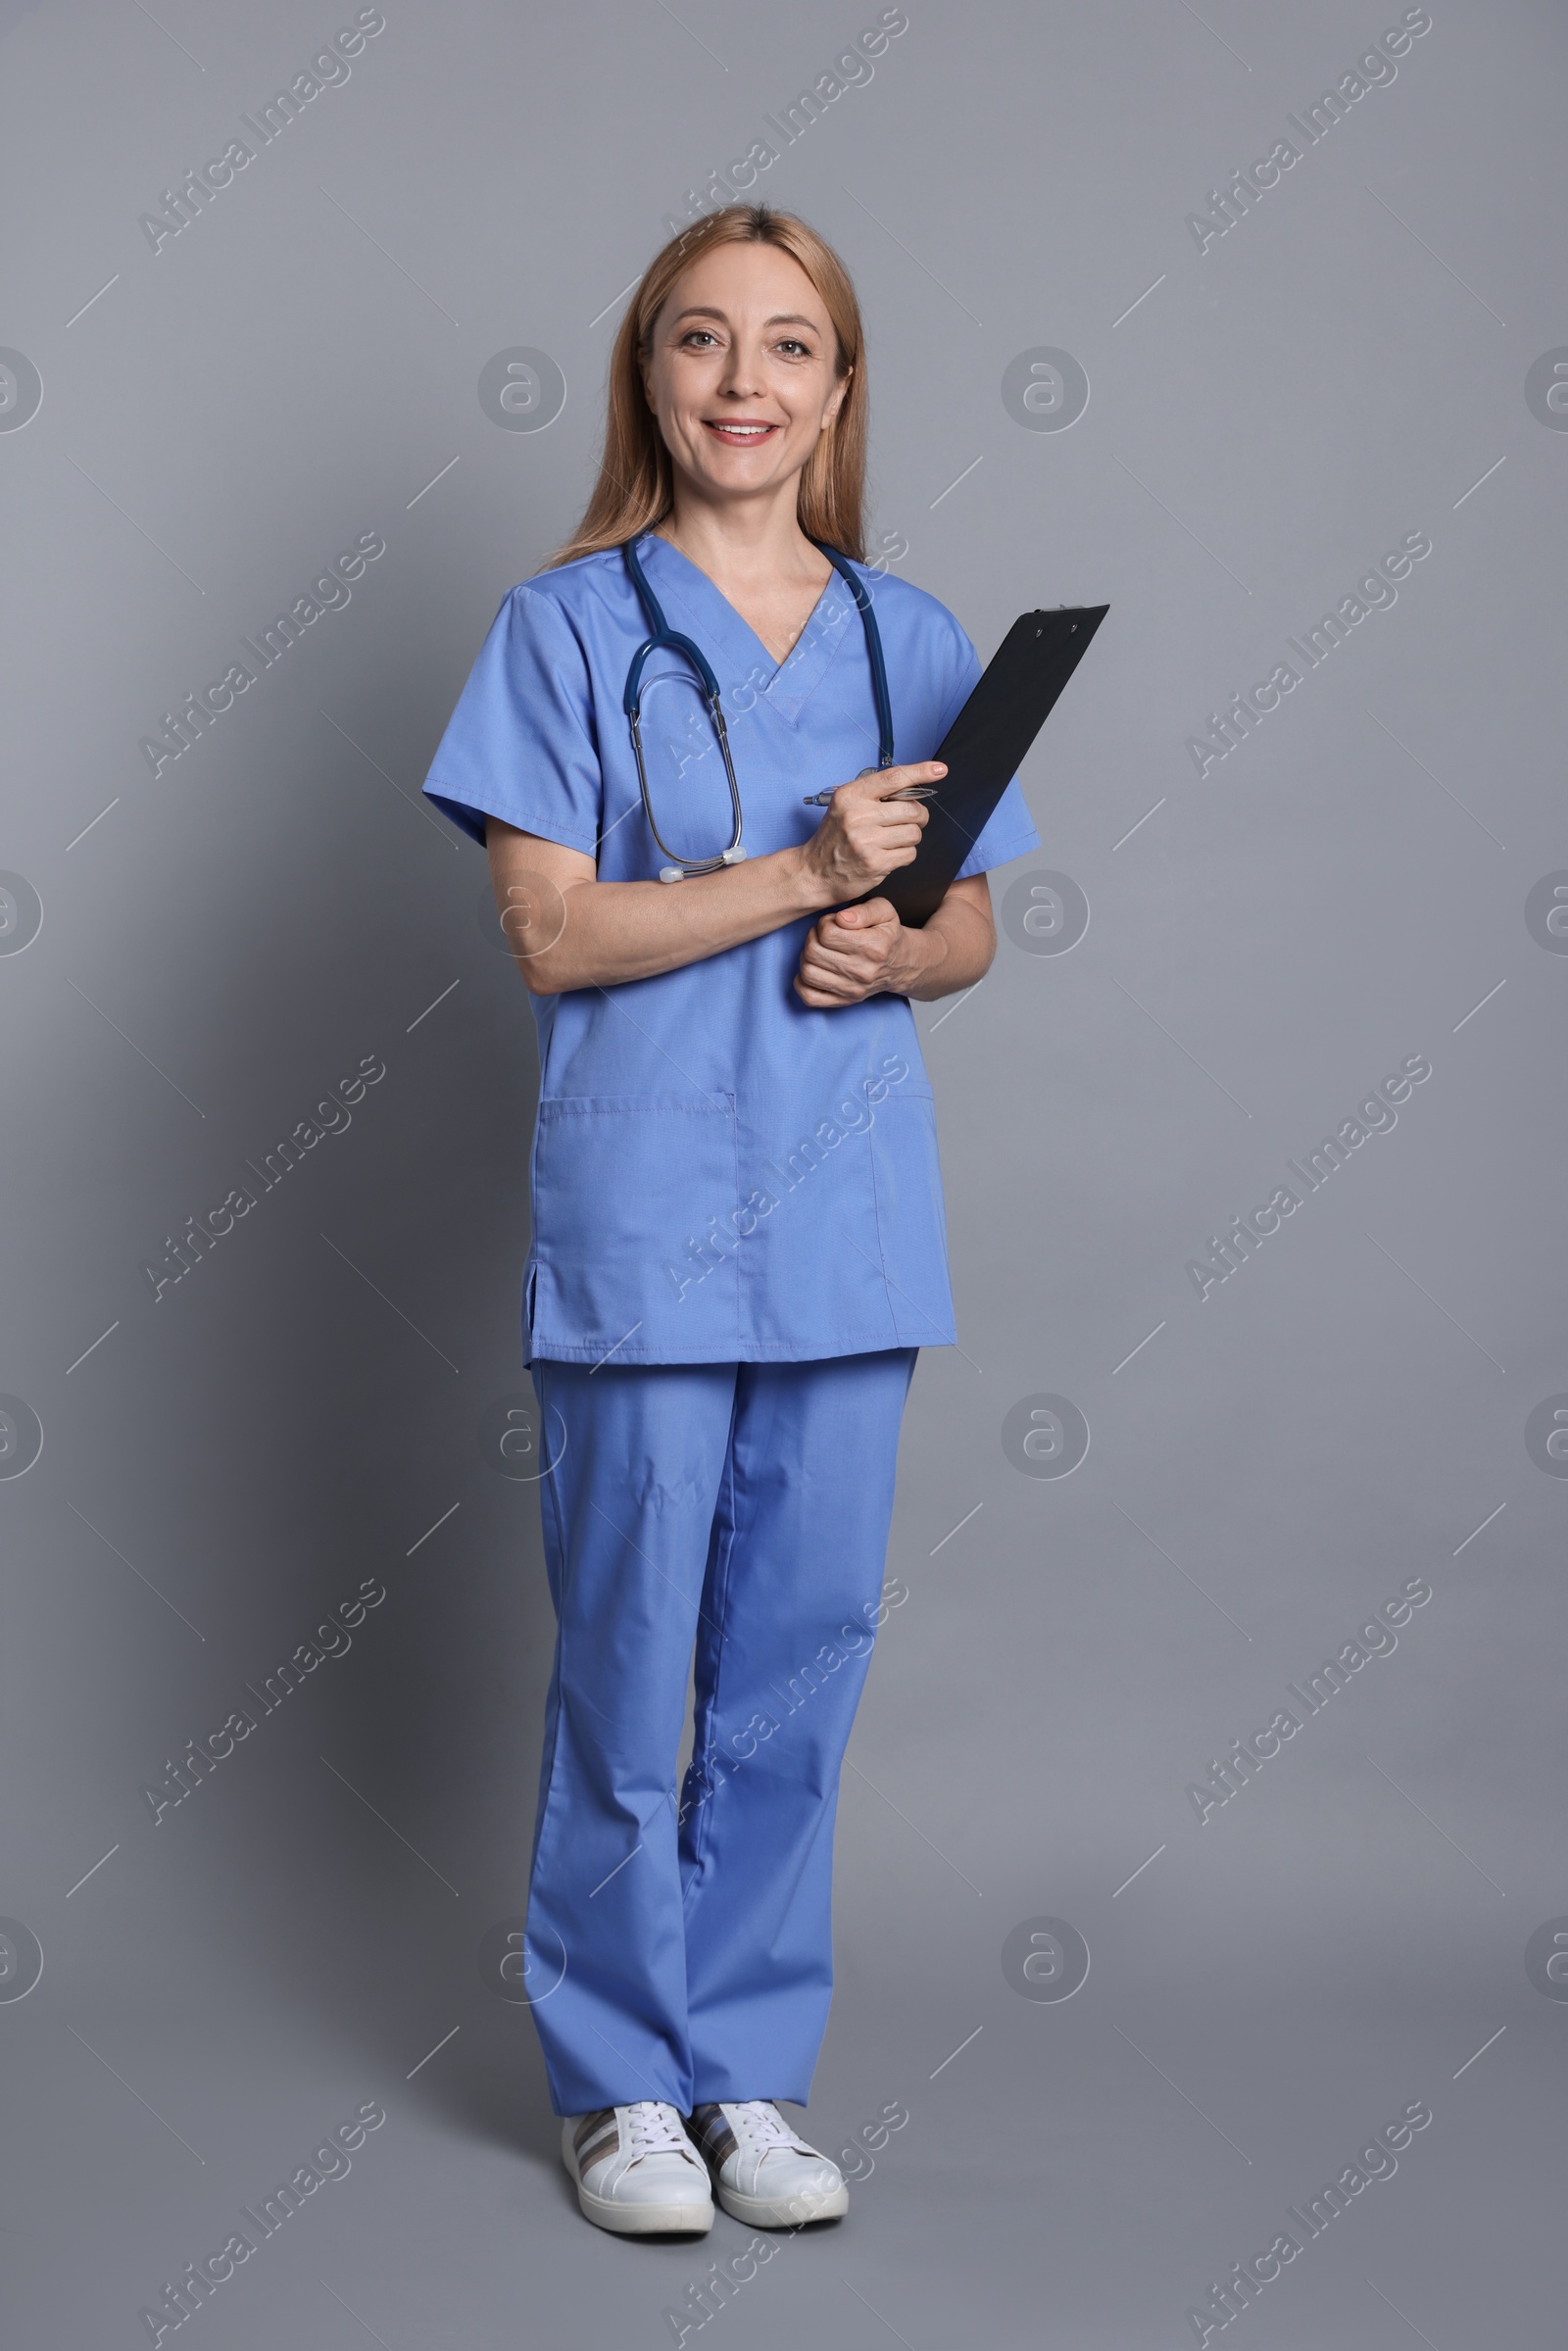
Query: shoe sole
{"points": [[784, 2212], [641, 2219], [646, 2220]]}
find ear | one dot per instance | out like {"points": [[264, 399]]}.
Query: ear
{"points": [[841, 392], [642, 355]]}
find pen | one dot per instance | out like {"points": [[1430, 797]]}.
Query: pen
{"points": [[823, 800]]}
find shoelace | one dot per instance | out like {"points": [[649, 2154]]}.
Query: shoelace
{"points": [[764, 2127], [656, 2130]]}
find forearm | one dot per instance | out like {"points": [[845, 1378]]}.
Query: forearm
{"points": [[608, 932], [568, 929], [954, 950]]}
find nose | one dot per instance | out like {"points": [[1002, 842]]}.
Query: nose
{"points": [[742, 376]]}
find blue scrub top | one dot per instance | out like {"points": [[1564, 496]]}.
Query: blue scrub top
{"points": [[718, 1173]]}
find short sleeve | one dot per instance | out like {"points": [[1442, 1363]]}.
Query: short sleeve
{"points": [[1008, 831], [520, 743]]}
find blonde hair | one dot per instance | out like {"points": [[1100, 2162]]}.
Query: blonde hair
{"points": [[635, 486]]}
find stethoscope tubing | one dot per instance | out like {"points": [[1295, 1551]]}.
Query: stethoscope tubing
{"points": [[663, 635]]}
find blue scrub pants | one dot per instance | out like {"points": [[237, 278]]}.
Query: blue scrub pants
{"points": [[681, 1949]]}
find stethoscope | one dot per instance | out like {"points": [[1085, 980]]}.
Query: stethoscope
{"points": [[663, 634]]}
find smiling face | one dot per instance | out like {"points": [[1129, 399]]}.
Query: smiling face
{"points": [[741, 372]]}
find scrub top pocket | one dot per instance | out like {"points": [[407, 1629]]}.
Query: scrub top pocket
{"points": [[633, 1199]]}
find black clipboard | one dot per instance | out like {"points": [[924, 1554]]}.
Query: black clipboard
{"points": [[984, 748]]}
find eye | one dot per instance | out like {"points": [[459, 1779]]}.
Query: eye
{"points": [[694, 332], [793, 345]]}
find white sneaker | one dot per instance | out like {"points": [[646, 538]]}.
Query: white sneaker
{"points": [[637, 2172], [762, 2171]]}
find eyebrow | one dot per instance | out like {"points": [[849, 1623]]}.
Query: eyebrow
{"points": [[779, 317]]}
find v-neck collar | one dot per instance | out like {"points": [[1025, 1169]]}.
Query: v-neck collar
{"points": [[709, 618]]}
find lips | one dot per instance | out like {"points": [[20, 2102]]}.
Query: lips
{"points": [[740, 436]]}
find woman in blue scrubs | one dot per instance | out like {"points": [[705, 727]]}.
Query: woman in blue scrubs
{"points": [[738, 1242]]}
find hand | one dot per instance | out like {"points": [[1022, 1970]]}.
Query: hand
{"points": [[867, 831], [857, 952]]}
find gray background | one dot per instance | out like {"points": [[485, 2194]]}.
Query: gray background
{"points": [[224, 942]]}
